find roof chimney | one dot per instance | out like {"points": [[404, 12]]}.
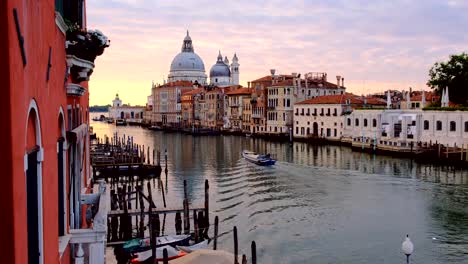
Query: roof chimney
{"points": [[338, 78], [248, 84], [272, 72], [342, 82]]}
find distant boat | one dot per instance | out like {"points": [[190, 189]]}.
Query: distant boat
{"points": [[248, 134], [120, 122], [154, 127], [259, 159], [110, 120]]}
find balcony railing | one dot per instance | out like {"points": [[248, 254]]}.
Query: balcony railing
{"points": [[75, 89], [89, 244]]}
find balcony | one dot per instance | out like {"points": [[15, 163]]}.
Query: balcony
{"points": [[74, 89], [271, 108], [257, 116], [90, 243], [82, 48]]}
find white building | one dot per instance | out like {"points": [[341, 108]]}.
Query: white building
{"points": [[133, 114], [323, 116], [403, 130]]}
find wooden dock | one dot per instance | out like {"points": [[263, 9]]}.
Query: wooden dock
{"points": [[133, 212]]}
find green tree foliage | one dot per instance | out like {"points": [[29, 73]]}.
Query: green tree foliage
{"points": [[452, 74]]}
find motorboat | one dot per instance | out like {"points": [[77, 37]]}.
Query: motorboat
{"points": [[120, 122], [259, 159]]}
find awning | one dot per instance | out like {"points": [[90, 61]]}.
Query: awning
{"points": [[77, 134]]}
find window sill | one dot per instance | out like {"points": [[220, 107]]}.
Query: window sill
{"points": [[63, 243]]}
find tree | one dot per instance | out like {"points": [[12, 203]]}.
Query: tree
{"points": [[452, 74]]}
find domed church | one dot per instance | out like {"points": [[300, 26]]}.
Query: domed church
{"points": [[221, 74], [188, 66]]}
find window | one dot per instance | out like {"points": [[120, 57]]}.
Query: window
{"points": [[349, 122], [439, 125], [426, 124], [356, 122], [453, 126], [365, 122], [466, 126], [374, 122]]}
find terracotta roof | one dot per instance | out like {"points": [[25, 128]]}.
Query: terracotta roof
{"points": [[178, 83], [429, 97], [240, 91], [268, 78], [194, 91], [341, 99]]}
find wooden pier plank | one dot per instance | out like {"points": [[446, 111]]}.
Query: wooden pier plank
{"points": [[155, 210]]}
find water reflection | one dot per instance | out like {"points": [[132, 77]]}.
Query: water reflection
{"points": [[325, 203]]}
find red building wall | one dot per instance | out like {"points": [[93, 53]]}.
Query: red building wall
{"points": [[22, 85]]}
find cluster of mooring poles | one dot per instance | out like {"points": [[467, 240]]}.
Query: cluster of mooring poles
{"points": [[126, 167]]}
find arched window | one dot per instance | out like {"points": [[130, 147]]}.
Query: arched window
{"points": [[439, 125], [365, 122], [374, 122], [453, 126], [356, 122], [426, 124], [349, 121]]}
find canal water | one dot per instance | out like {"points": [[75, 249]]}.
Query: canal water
{"points": [[319, 204]]}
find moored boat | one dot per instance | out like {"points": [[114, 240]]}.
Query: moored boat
{"points": [[172, 253], [259, 159], [143, 244], [120, 122]]}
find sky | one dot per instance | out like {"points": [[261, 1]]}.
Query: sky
{"points": [[374, 45]]}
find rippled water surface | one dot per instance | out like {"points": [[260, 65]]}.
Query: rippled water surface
{"points": [[319, 204]]}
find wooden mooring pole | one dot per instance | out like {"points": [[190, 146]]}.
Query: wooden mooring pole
{"points": [[236, 247], [215, 239], [253, 248]]}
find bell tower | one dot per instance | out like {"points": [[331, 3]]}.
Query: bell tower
{"points": [[235, 70]]}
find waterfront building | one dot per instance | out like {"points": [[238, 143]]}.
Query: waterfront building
{"points": [[236, 107], [247, 114], [405, 130], [284, 92], [259, 105], [46, 168], [148, 113], [215, 104], [323, 116], [167, 99], [131, 114], [188, 101]]}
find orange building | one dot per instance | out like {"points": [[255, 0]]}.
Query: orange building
{"points": [[44, 105]]}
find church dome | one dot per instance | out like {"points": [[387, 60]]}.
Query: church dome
{"points": [[220, 69], [187, 61], [187, 65]]}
